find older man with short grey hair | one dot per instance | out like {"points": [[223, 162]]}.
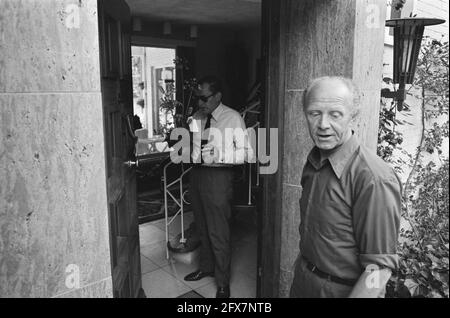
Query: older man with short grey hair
{"points": [[350, 204]]}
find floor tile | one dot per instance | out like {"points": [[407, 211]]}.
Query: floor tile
{"points": [[160, 284], [188, 258], [175, 226], [172, 272], [242, 286], [180, 270], [208, 291], [241, 232], [160, 224], [147, 265], [156, 253], [149, 234], [191, 294], [243, 259]]}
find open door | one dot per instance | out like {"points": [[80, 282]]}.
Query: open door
{"points": [[116, 84]]}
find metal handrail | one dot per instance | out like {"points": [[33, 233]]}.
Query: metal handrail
{"points": [[179, 203]]}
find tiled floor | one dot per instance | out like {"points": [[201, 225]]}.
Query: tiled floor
{"points": [[162, 278]]}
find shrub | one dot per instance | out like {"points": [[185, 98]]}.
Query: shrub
{"points": [[423, 247]]}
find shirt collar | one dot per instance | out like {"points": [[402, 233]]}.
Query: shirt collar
{"points": [[338, 159], [217, 112]]}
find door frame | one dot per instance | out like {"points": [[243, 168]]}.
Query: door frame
{"points": [[114, 25], [273, 87]]}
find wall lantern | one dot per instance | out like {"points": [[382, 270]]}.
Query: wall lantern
{"points": [[408, 33]]}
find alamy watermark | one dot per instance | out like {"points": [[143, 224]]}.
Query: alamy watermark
{"points": [[73, 276], [230, 146]]}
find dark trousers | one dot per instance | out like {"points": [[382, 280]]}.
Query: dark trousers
{"points": [[307, 284], [211, 193]]}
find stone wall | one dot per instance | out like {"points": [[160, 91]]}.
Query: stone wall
{"points": [[324, 38], [53, 206]]}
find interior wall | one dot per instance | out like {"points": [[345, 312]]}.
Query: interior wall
{"points": [[212, 57], [231, 54], [251, 38], [53, 206], [213, 47]]}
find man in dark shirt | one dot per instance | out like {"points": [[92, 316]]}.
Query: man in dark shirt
{"points": [[350, 204]]}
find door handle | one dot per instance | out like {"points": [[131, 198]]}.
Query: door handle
{"points": [[131, 163], [140, 162]]}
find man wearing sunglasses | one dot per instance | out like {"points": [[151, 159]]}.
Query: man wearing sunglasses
{"points": [[211, 181]]}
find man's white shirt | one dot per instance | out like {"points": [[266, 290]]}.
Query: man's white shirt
{"points": [[227, 134]]}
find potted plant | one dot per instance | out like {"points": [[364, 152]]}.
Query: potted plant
{"points": [[175, 113]]}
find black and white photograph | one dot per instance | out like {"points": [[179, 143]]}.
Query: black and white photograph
{"points": [[246, 150]]}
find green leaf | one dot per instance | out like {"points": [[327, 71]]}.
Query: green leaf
{"points": [[412, 286], [425, 274], [434, 294], [440, 277], [433, 259]]}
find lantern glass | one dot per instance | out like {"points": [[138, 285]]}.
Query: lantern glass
{"points": [[408, 39]]}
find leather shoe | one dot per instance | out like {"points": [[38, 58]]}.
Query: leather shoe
{"points": [[223, 292], [197, 275]]}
